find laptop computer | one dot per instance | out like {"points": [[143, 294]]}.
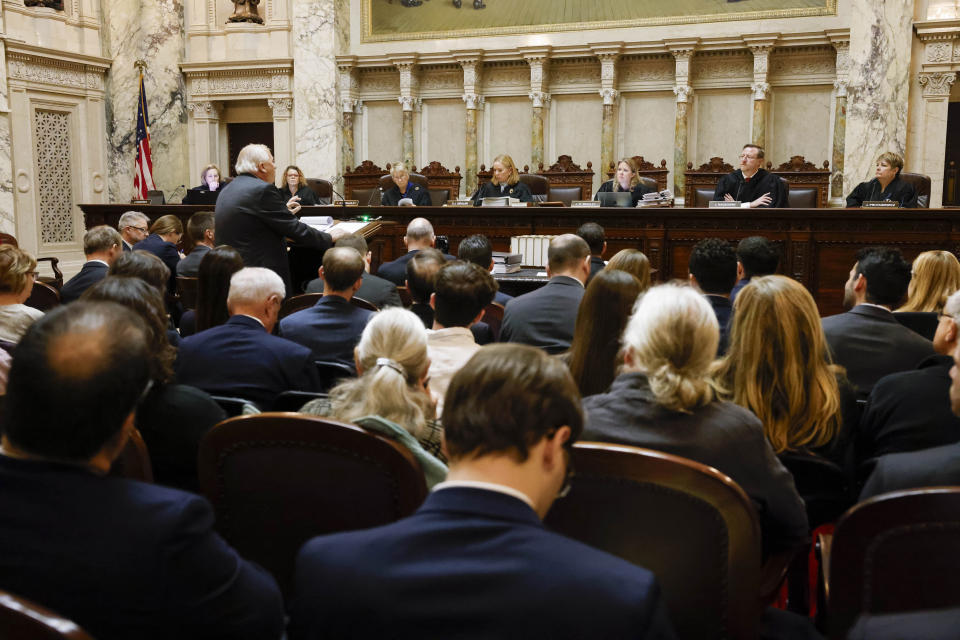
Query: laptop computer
{"points": [[201, 196], [615, 199]]}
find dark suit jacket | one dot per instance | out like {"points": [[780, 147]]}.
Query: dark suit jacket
{"points": [[241, 359], [420, 196], [749, 190], [190, 266], [596, 266], [723, 309], [736, 289], [545, 317], [870, 343], [470, 563], [490, 190], [375, 289], [936, 467], [166, 251], [92, 272], [396, 270], [253, 219], [330, 329], [126, 559]]}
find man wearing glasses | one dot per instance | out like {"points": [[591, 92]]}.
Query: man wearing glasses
{"points": [[751, 184], [475, 561], [134, 227]]}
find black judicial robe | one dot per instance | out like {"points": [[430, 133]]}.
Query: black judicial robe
{"points": [[636, 193], [308, 197], [420, 195], [490, 190], [745, 190], [899, 190]]}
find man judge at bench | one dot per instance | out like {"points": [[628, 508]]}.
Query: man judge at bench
{"points": [[752, 185]]}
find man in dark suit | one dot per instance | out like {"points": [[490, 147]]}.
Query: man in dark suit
{"points": [[478, 250], [419, 236], [546, 317], [593, 235], [421, 272], [374, 289], [134, 227], [332, 327], [200, 229], [121, 558], [241, 358], [756, 256], [475, 560], [713, 271], [101, 246], [253, 219], [867, 340]]}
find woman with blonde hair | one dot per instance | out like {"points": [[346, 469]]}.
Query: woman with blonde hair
{"points": [[165, 233], [626, 178], [634, 262], [504, 183], [936, 275], [665, 399], [17, 275], [391, 396], [404, 189], [209, 178], [294, 185]]}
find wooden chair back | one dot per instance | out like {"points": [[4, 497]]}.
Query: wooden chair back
{"points": [[321, 188], [43, 297], [703, 178], [56, 280], [364, 304], [134, 460], [566, 195], [405, 298], [21, 619], [646, 169], [822, 484], [566, 173], [538, 185], [691, 525], [809, 184], [364, 176], [493, 316], [298, 303], [187, 291], [332, 373], [386, 182], [277, 480], [440, 179]]}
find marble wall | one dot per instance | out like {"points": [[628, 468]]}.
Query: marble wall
{"points": [[720, 125], [575, 131], [382, 132], [8, 221], [442, 133], [646, 126], [508, 125], [810, 106]]}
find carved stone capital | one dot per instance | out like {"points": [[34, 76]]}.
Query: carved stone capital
{"points": [[683, 92], [205, 109], [410, 103], [282, 107], [358, 108], [610, 96], [473, 100], [539, 98], [348, 105], [841, 87], [937, 84], [760, 90]]}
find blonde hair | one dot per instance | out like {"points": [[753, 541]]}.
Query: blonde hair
{"points": [[672, 337], [203, 174], [634, 181], [936, 275], [399, 336], [301, 179], [778, 364], [15, 265], [507, 163], [166, 224], [892, 159], [398, 167], [634, 262]]}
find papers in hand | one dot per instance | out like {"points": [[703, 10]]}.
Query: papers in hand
{"points": [[405, 202]]}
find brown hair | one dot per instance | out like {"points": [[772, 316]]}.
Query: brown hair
{"points": [[507, 163], [936, 275], [342, 267], [634, 262], [213, 285], [144, 265], [634, 181], [167, 224], [302, 182], [15, 265]]}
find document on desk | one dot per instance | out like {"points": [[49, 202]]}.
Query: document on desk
{"points": [[350, 227]]}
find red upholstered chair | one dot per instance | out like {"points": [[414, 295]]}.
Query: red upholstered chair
{"points": [[21, 619]]}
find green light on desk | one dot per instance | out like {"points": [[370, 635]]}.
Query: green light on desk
{"points": [[364, 218]]}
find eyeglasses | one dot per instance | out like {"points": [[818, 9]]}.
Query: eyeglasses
{"points": [[35, 274], [140, 229]]}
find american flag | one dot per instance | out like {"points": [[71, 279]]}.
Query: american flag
{"points": [[143, 177]]}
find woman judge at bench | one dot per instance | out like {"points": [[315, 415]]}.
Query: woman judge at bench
{"points": [[294, 184], [888, 185], [404, 188], [505, 183], [209, 178], [626, 179]]}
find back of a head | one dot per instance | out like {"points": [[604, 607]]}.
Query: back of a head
{"points": [[421, 272], [936, 275], [213, 285], [354, 241], [713, 262], [198, 224], [462, 291], [565, 252], [420, 230], [758, 256], [101, 239], [15, 264], [167, 224], [634, 262], [144, 265], [672, 337], [77, 374], [505, 399], [251, 156], [252, 286], [887, 274], [342, 267], [593, 234], [476, 249]]}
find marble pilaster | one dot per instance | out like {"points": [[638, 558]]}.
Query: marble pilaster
{"points": [[8, 222], [839, 119], [539, 63], [682, 53], [314, 137], [346, 145], [610, 95], [349, 90], [206, 135], [283, 132], [407, 126], [473, 102], [409, 88], [470, 126], [761, 89], [881, 37], [933, 133]]}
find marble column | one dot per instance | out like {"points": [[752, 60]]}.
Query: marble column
{"points": [[346, 145], [409, 88], [8, 222], [407, 126], [540, 100], [682, 53], [474, 103], [881, 38], [837, 194], [283, 133], [933, 132], [349, 90], [316, 122], [608, 127], [760, 109]]}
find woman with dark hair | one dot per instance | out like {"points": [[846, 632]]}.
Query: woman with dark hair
{"points": [[594, 355], [165, 233], [213, 285], [295, 185], [173, 417]]}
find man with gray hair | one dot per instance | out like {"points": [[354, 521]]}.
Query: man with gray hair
{"points": [[419, 236], [546, 317], [101, 246], [241, 358], [253, 218], [134, 227]]}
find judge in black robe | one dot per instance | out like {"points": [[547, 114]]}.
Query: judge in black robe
{"points": [[505, 183], [294, 183], [748, 190], [403, 187], [626, 179], [636, 192], [899, 190]]}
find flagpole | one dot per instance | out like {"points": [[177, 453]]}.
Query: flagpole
{"points": [[143, 176]]}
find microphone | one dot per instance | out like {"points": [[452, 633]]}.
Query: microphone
{"points": [[373, 193], [339, 195], [739, 186]]}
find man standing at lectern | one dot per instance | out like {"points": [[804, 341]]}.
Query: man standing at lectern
{"points": [[752, 185], [252, 218]]}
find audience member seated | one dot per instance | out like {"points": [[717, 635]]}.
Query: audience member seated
{"points": [[200, 229], [546, 317], [374, 289], [478, 250], [172, 418], [391, 396], [592, 234], [935, 275], [887, 185], [295, 185], [595, 357], [213, 284], [460, 293], [134, 227], [505, 183], [634, 262], [240, 358], [627, 179], [421, 272], [475, 561], [867, 340], [752, 185], [121, 558], [910, 410], [149, 268], [778, 367], [419, 236], [404, 189], [713, 270], [17, 275], [665, 400], [101, 246], [165, 233], [756, 256]]}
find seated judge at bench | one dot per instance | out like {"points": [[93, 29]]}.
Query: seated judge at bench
{"points": [[403, 188], [750, 184], [625, 180], [295, 186], [505, 183], [888, 185], [209, 178]]}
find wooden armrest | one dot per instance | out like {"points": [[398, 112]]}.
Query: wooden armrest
{"points": [[823, 546], [774, 572]]}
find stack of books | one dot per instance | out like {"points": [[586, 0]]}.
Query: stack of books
{"points": [[504, 262], [654, 199]]}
